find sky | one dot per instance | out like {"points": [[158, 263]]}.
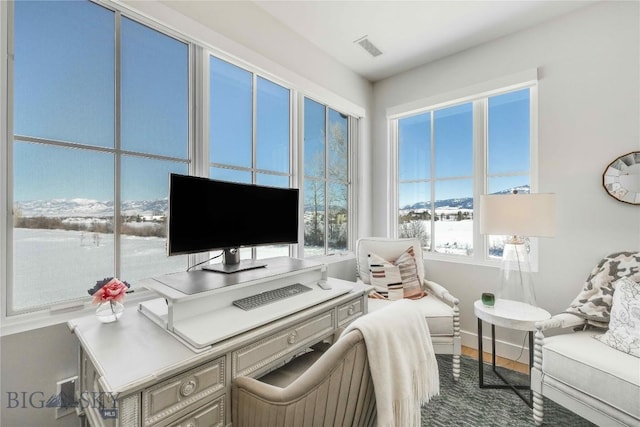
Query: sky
{"points": [[64, 90], [508, 149]]}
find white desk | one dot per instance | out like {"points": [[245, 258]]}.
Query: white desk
{"points": [[513, 315], [149, 376]]}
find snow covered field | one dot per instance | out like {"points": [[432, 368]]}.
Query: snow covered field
{"points": [[46, 257]]}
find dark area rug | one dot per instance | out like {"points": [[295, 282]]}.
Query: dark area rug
{"points": [[463, 403]]}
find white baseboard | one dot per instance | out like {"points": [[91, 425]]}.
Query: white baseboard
{"points": [[504, 349]]}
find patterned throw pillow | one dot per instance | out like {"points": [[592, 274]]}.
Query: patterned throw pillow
{"points": [[595, 299], [624, 323], [383, 273], [390, 277]]}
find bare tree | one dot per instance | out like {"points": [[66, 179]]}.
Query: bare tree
{"points": [[414, 229], [326, 189]]}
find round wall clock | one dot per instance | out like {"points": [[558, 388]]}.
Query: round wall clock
{"points": [[621, 178]]}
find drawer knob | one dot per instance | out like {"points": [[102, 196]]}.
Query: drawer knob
{"points": [[293, 336], [351, 310], [188, 388]]}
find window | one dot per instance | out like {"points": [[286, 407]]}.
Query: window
{"points": [[447, 156], [96, 131], [104, 108], [249, 133], [326, 179]]}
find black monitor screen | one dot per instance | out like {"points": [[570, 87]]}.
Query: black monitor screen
{"points": [[206, 214]]}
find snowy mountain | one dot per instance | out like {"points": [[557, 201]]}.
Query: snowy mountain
{"points": [[463, 203], [65, 208], [62, 208]]}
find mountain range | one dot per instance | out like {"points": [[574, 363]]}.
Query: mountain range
{"points": [[461, 203], [97, 208], [89, 208]]}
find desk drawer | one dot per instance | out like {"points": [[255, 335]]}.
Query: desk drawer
{"points": [[189, 389], [250, 359], [350, 311], [212, 415]]}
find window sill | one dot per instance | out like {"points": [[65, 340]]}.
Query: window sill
{"points": [[333, 258], [455, 259], [54, 316]]}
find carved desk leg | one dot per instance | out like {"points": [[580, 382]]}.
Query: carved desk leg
{"points": [[538, 410]]}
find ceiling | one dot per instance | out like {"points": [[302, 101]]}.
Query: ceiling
{"points": [[409, 33]]}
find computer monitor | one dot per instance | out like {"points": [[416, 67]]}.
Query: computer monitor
{"points": [[208, 214]]}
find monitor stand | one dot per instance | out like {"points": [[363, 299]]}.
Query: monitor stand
{"points": [[231, 263]]}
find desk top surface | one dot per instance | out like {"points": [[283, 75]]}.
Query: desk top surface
{"points": [[135, 351], [199, 281]]}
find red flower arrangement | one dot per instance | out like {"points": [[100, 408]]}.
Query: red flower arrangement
{"points": [[109, 289]]}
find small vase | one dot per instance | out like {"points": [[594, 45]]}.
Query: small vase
{"points": [[109, 311]]}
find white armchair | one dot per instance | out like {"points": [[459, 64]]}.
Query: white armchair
{"points": [[440, 308], [583, 374]]}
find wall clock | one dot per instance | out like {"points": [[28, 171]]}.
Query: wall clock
{"points": [[621, 179]]}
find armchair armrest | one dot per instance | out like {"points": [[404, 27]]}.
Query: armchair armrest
{"points": [[442, 293], [559, 321], [562, 320]]}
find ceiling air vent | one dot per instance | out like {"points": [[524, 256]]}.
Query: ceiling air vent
{"points": [[368, 46]]}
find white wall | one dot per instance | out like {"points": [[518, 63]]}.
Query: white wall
{"points": [[34, 361], [589, 113]]}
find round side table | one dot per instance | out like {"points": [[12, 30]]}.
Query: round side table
{"points": [[512, 315]]}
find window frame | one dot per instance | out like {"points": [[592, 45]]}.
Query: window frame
{"points": [[352, 135], [478, 95], [253, 170], [116, 152], [198, 87]]}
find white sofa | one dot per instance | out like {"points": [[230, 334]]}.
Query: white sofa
{"points": [[584, 375]]}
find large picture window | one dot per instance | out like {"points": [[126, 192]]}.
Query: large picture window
{"points": [[96, 131], [249, 134], [449, 155], [105, 104]]}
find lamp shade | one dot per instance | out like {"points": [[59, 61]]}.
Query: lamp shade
{"points": [[528, 215]]}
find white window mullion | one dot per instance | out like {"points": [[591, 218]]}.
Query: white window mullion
{"points": [[394, 179], [117, 144], [352, 170], [432, 185], [254, 133], [298, 172], [254, 122], [295, 146], [480, 152], [326, 180], [199, 110], [6, 154]]}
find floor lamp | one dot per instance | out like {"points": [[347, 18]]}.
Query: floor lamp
{"points": [[519, 216]]}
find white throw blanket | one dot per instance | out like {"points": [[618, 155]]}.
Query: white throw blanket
{"points": [[402, 362]]}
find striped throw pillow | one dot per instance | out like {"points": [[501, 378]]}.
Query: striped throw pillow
{"points": [[389, 277], [409, 273]]}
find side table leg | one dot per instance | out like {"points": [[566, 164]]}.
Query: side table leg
{"points": [[530, 366], [480, 355], [493, 346]]}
